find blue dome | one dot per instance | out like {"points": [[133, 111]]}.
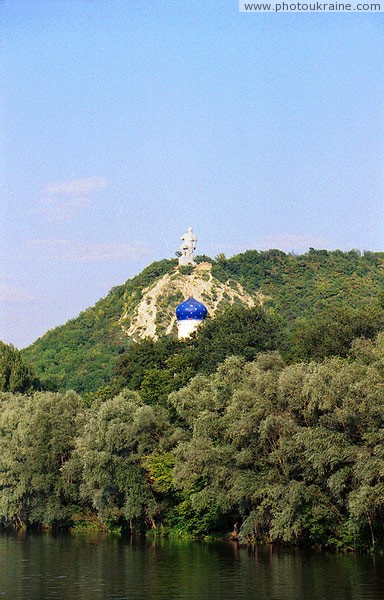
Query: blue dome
{"points": [[191, 309]]}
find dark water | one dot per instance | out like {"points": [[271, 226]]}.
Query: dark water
{"points": [[39, 567]]}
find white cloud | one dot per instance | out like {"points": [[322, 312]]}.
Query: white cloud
{"points": [[62, 200], [76, 187], [88, 252], [10, 293]]}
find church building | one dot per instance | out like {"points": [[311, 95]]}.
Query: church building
{"points": [[189, 313]]}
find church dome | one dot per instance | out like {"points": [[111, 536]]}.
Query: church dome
{"points": [[191, 309]]}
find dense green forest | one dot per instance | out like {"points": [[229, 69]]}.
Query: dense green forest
{"points": [[267, 425], [278, 452], [81, 354]]}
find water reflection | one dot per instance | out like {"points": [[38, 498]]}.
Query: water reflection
{"points": [[39, 567]]}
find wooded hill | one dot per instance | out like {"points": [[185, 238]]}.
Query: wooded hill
{"points": [[302, 292], [267, 423]]}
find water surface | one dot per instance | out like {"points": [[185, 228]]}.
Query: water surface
{"points": [[39, 567]]}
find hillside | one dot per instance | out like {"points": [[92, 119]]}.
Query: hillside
{"points": [[155, 314], [82, 353]]}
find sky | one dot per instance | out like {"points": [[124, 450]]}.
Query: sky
{"points": [[124, 122]]}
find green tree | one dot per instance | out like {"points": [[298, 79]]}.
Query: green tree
{"points": [[15, 376], [141, 357], [294, 453], [38, 435], [239, 330], [118, 434], [332, 331]]}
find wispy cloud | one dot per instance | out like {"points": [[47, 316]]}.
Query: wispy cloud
{"points": [[88, 252], [76, 187], [10, 293], [61, 201]]}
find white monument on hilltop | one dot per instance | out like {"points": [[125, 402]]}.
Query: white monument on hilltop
{"points": [[187, 248]]}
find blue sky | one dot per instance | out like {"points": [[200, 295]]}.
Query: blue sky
{"points": [[126, 121]]}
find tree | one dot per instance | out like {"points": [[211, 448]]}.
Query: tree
{"points": [[332, 331], [15, 376], [239, 330], [141, 357], [118, 434], [293, 453], [38, 434]]}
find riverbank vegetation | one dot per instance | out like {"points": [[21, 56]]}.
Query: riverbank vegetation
{"points": [[289, 452]]}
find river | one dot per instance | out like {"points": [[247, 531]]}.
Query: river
{"points": [[45, 566]]}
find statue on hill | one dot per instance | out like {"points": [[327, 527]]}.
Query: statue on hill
{"points": [[187, 248]]}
